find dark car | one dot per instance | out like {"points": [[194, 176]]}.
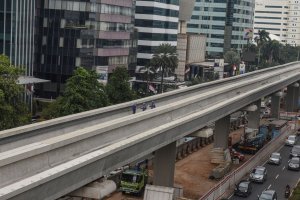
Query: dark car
{"points": [[295, 152], [294, 164], [243, 189], [268, 195], [258, 174]]}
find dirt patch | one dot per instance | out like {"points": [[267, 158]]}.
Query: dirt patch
{"points": [[192, 172]]}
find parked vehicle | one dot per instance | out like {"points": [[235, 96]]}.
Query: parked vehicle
{"points": [[258, 174], [134, 180], [291, 140], [243, 188], [236, 155], [268, 195], [295, 152], [252, 141], [294, 164], [275, 158]]}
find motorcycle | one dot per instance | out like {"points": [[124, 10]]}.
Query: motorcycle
{"points": [[287, 192]]}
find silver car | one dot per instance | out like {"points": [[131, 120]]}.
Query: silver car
{"points": [[291, 140], [258, 174], [275, 158]]}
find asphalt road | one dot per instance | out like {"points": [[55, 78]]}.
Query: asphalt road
{"points": [[277, 177]]}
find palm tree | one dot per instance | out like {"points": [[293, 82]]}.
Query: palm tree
{"points": [[271, 51], [148, 72], [165, 60], [263, 37]]}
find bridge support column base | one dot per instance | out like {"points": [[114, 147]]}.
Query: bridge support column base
{"points": [[275, 106], [164, 166], [292, 97], [254, 116], [222, 129]]}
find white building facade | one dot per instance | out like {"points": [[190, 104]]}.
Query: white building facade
{"points": [[157, 23], [279, 17]]}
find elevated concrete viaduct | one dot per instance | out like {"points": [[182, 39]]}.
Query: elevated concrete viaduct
{"points": [[53, 166]]}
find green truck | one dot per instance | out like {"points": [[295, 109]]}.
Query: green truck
{"points": [[133, 181]]}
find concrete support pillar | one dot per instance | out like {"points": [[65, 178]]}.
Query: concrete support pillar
{"points": [[275, 105], [164, 166], [254, 116], [292, 97], [222, 129]]}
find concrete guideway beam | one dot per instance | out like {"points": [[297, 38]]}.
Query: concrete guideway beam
{"points": [[254, 116], [51, 152], [164, 165], [221, 133], [20, 136], [62, 179]]}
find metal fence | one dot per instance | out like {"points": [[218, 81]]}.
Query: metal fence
{"points": [[229, 181]]}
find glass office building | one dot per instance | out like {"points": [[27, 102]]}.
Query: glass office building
{"points": [[223, 22], [17, 18], [157, 23], [97, 35]]}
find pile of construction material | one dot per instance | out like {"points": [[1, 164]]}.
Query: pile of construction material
{"points": [[217, 156], [223, 158]]}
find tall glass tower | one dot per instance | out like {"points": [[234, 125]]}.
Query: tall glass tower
{"points": [[97, 35], [17, 32], [223, 22]]}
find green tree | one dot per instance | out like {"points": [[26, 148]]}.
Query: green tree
{"points": [[262, 38], [14, 111], [147, 73], [232, 58], [270, 51], [165, 60], [118, 88], [83, 92]]}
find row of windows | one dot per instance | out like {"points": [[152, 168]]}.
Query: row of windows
{"points": [[272, 12], [156, 24], [174, 2], [87, 7], [237, 2], [158, 37], [156, 11]]}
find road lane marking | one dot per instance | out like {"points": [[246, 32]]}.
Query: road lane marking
{"points": [[269, 186], [283, 168], [277, 176]]}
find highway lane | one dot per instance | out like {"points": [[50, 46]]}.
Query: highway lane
{"points": [[277, 177]]}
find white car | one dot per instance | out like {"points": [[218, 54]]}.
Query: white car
{"points": [[291, 140]]}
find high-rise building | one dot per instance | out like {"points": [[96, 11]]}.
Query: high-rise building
{"points": [[279, 17], [223, 22], [97, 35], [17, 32], [157, 23]]}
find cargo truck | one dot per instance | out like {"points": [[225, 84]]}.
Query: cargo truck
{"points": [[134, 180]]}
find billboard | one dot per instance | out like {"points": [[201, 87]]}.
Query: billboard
{"points": [[102, 72], [248, 33]]}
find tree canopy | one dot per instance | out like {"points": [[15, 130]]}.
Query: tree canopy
{"points": [[165, 60], [14, 111], [232, 57], [83, 92], [118, 88]]}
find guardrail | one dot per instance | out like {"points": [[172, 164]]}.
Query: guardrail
{"points": [[229, 181]]}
